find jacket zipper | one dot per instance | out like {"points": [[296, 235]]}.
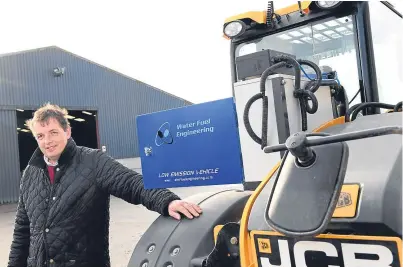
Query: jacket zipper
{"points": [[46, 217]]}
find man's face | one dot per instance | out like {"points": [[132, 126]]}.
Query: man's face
{"points": [[51, 138]]}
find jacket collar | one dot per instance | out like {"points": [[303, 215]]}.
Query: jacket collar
{"points": [[69, 151]]}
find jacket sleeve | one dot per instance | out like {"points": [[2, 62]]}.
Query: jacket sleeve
{"points": [[124, 183], [20, 243]]}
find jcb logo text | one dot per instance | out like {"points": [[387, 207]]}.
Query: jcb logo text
{"points": [[330, 252]]}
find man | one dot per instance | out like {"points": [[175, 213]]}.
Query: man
{"points": [[63, 211]]}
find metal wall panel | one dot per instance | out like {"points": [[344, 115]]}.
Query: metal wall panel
{"points": [[27, 81], [9, 165]]}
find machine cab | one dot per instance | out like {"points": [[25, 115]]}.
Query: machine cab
{"points": [[321, 153], [352, 42], [351, 45]]}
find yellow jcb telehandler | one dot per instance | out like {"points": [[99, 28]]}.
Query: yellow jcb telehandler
{"points": [[318, 89]]}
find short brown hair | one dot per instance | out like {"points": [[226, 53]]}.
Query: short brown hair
{"points": [[48, 111]]}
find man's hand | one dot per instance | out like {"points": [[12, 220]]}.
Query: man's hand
{"points": [[190, 210]]}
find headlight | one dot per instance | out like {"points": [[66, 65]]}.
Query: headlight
{"points": [[328, 4], [234, 28]]}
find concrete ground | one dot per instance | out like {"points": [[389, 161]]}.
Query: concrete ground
{"points": [[128, 223]]}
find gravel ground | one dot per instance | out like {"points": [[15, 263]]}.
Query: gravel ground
{"points": [[128, 223]]}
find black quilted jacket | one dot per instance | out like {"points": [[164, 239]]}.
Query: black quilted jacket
{"points": [[67, 223]]}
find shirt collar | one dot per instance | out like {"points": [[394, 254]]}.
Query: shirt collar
{"points": [[48, 162]]}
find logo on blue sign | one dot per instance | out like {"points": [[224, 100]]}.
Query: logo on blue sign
{"points": [[164, 135]]}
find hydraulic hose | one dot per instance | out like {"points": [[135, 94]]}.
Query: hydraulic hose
{"points": [[290, 62], [303, 95], [246, 121], [349, 111], [313, 85], [308, 94], [362, 106], [261, 95], [354, 110]]}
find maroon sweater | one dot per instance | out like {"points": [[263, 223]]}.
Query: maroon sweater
{"points": [[51, 170]]}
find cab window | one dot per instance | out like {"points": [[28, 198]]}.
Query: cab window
{"points": [[329, 44], [386, 27]]}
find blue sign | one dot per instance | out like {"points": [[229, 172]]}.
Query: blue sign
{"points": [[195, 145]]}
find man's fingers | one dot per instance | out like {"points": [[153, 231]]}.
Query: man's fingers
{"points": [[183, 210], [192, 209], [175, 215], [197, 207]]}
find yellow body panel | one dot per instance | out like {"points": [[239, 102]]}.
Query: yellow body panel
{"points": [[260, 16], [217, 229], [257, 16]]}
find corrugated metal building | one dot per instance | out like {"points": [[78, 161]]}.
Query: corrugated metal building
{"points": [[29, 79]]}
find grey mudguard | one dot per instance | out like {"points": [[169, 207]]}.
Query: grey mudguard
{"points": [[187, 242], [376, 165]]}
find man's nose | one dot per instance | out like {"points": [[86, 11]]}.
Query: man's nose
{"points": [[47, 139]]}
